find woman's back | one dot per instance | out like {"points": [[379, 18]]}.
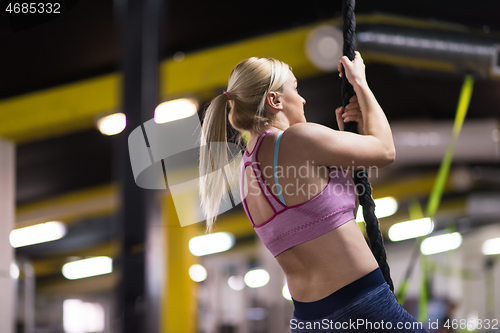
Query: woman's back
{"points": [[331, 273], [320, 266]]}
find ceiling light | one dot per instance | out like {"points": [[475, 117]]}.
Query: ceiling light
{"points": [[38, 233], [441, 243], [236, 282], [14, 271], [197, 273], [491, 246], [87, 267], [112, 124], [286, 292], [383, 207], [323, 47], [175, 110], [410, 229], [257, 278], [212, 243], [82, 317]]}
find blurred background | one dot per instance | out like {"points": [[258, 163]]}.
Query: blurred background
{"points": [[84, 249]]}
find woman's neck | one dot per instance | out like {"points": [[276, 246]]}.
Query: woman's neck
{"points": [[255, 135]]}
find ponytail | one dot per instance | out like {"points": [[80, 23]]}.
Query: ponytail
{"points": [[213, 158]]}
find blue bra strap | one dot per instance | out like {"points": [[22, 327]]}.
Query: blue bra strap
{"points": [[276, 150]]}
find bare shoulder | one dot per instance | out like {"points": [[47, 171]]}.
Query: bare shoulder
{"points": [[306, 140], [331, 147], [307, 131], [304, 128], [308, 135]]}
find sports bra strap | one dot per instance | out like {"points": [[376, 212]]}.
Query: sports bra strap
{"points": [[275, 165], [250, 159]]}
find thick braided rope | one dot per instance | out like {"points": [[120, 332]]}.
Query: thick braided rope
{"points": [[360, 176]]}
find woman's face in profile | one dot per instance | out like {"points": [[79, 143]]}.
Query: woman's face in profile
{"points": [[293, 103]]}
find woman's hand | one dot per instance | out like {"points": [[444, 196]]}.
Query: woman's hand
{"points": [[352, 112], [354, 70]]}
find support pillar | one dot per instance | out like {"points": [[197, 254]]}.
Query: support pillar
{"points": [[179, 301], [140, 26], [7, 208]]}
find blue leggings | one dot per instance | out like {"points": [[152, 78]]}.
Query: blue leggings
{"points": [[365, 305]]}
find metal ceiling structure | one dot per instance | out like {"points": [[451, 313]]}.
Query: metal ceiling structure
{"points": [[84, 42]]}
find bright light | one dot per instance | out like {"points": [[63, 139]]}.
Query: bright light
{"points": [[491, 246], [80, 317], [112, 124], [197, 273], [441, 243], [39, 233], [236, 282], [14, 271], [410, 229], [383, 207], [212, 243], [175, 110], [472, 320], [286, 292], [257, 278], [87, 267], [179, 56]]}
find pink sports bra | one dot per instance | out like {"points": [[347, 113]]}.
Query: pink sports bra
{"points": [[294, 225]]}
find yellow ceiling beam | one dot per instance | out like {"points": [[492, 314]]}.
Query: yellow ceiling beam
{"points": [[73, 107], [90, 285], [59, 110], [202, 72], [54, 263], [70, 207], [408, 188], [416, 63]]}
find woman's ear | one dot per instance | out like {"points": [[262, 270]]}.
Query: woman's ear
{"points": [[273, 99]]}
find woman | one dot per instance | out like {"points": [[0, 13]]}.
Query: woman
{"points": [[300, 197]]}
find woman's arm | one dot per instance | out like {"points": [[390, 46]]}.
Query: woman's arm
{"points": [[374, 120], [344, 149]]}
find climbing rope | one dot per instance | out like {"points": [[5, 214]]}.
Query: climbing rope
{"points": [[361, 176]]}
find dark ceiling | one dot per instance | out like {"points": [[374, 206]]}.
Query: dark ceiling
{"points": [[85, 42]]}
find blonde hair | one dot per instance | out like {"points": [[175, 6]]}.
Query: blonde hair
{"points": [[249, 83]]}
